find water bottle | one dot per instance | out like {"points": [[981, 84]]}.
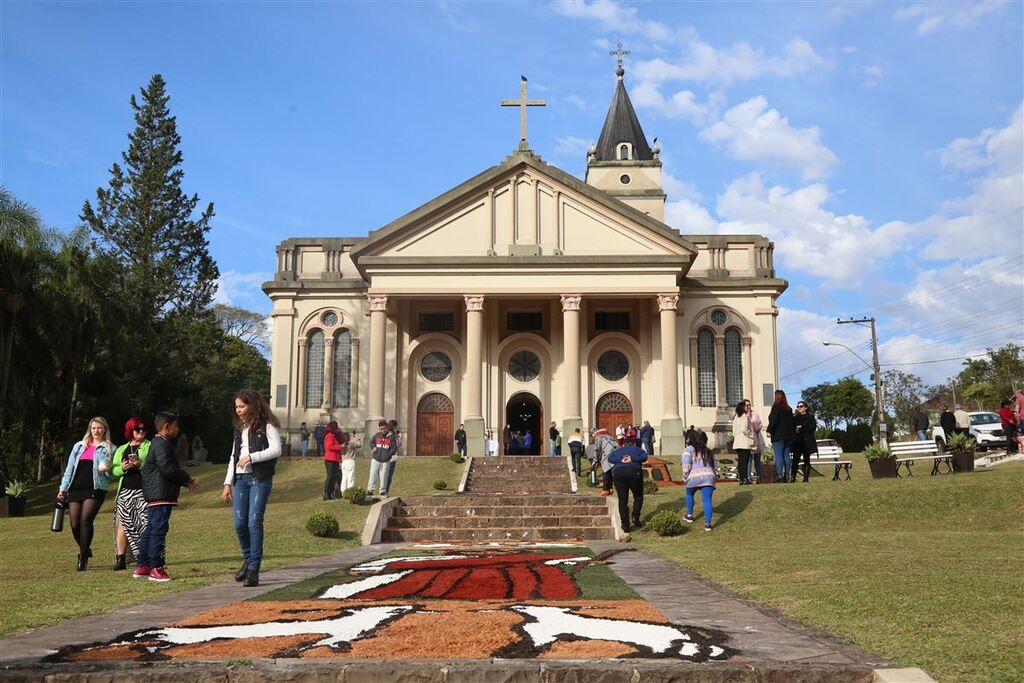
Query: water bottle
{"points": [[57, 522]]}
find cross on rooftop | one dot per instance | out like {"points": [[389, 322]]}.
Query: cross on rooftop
{"points": [[619, 53], [523, 103]]}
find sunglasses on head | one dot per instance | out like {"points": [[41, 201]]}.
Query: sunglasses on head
{"points": [[140, 428]]}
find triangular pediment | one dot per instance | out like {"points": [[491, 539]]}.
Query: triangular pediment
{"points": [[525, 207]]}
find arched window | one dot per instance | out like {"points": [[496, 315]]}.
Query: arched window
{"points": [[706, 394], [624, 151], [733, 366], [342, 389], [315, 369]]}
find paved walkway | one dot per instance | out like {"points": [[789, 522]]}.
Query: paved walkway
{"points": [[766, 640]]}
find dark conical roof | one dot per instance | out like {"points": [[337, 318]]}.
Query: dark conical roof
{"points": [[622, 125]]}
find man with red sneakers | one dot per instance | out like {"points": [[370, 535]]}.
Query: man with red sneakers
{"points": [[162, 479]]}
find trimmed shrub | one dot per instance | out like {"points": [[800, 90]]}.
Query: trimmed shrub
{"points": [[665, 523], [457, 457], [650, 486], [322, 524], [440, 484], [355, 495]]}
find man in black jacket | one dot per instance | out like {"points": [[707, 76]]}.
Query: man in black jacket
{"points": [[460, 440], [162, 479]]}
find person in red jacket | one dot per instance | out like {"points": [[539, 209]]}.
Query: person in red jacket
{"points": [[1009, 421], [332, 461]]}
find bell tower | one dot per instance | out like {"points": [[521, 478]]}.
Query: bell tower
{"points": [[622, 163]]}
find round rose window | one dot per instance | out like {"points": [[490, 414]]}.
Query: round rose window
{"points": [[524, 366]]}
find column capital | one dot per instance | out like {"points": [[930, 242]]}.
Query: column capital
{"points": [[474, 302], [747, 341], [571, 302], [329, 341], [302, 343], [378, 302], [667, 302]]}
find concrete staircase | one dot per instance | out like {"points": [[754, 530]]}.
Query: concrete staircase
{"points": [[518, 498]]}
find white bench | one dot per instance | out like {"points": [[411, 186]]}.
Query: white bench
{"points": [[907, 453], [829, 455]]}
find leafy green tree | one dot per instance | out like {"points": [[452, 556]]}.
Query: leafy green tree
{"points": [[988, 381], [903, 393], [849, 401], [815, 397]]}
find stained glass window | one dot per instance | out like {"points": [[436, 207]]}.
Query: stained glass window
{"points": [[706, 369], [613, 365], [733, 367], [718, 317], [342, 385], [315, 369], [524, 366], [330, 318], [436, 366]]}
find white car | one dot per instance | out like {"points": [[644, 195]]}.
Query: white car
{"points": [[986, 429]]}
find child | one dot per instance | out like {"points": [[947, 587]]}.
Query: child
{"points": [[699, 473], [162, 479]]}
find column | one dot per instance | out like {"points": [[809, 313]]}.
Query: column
{"points": [[572, 418], [671, 423], [378, 304], [300, 393], [328, 374], [748, 370], [473, 412], [354, 398], [720, 369]]}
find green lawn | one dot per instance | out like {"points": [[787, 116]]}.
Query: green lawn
{"points": [[927, 571], [37, 567]]}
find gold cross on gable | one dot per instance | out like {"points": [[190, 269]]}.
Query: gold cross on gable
{"points": [[523, 103], [619, 53]]}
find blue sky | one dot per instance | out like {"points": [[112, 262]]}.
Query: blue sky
{"points": [[878, 144]]}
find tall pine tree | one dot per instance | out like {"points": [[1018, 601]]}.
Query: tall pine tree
{"points": [[146, 223]]}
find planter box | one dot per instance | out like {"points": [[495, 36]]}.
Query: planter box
{"points": [[15, 507], [963, 462], [767, 473], [883, 468]]}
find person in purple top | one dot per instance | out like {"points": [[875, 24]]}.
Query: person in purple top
{"points": [[628, 477]]}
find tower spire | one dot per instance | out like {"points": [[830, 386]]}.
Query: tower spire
{"points": [[618, 53]]}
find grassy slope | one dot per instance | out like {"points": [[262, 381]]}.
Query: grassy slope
{"points": [[926, 571], [37, 566]]}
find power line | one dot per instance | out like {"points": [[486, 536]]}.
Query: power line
{"points": [[937, 360]]}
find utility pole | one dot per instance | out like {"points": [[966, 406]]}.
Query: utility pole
{"points": [[876, 376]]}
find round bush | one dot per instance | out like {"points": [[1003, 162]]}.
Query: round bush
{"points": [[665, 523], [650, 486], [355, 495], [440, 484], [322, 524]]}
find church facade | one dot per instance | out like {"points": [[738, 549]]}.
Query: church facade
{"points": [[525, 296]]}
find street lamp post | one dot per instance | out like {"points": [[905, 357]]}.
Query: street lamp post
{"points": [[876, 376]]}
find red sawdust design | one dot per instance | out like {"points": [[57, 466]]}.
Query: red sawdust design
{"points": [[555, 583], [444, 582], [482, 584], [407, 585], [472, 561], [524, 582]]}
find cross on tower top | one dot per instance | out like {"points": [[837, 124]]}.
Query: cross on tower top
{"points": [[523, 103], [619, 53]]}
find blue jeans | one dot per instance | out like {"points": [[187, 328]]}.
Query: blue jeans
{"points": [[461, 448], [783, 462], [152, 545], [249, 502], [304, 445], [705, 499], [755, 465], [921, 436], [389, 471]]}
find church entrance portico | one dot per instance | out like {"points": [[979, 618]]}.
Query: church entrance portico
{"points": [[613, 409], [523, 413]]}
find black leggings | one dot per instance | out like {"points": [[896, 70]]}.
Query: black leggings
{"points": [[743, 456], [83, 514], [333, 479]]}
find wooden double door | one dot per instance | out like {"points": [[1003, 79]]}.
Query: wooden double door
{"points": [[435, 425], [614, 409]]}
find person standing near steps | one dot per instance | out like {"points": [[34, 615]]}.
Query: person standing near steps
{"points": [[382, 448], [628, 478]]}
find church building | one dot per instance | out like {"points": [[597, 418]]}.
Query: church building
{"points": [[525, 296]]}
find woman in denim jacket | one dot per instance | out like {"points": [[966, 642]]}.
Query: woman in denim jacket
{"points": [[84, 484]]}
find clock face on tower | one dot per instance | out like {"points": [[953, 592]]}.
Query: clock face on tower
{"points": [[524, 366]]}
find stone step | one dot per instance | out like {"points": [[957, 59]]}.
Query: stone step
{"points": [[472, 510], [496, 522], [512, 485], [393, 535]]}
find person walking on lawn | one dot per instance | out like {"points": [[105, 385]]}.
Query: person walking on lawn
{"points": [[920, 424], [319, 433], [332, 460], [460, 440], [162, 479], [805, 442], [84, 484], [250, 477], [130, 508], [743, 440], [700, 475], [628, 477], [303, 439]]}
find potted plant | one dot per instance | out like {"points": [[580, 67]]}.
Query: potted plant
{"points": [[16, 493], [881, 462], [767, 473], [961, 448]]}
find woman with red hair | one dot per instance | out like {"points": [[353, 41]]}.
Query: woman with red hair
{"points": [[130, 508]]}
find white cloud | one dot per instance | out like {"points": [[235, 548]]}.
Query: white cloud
{"points": [[613, 16], [873, 74], [572, 145], [991, 218], [689, 217], [241, 289], [682, 105], [753, 132], [931, 16], [677, 188]]}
